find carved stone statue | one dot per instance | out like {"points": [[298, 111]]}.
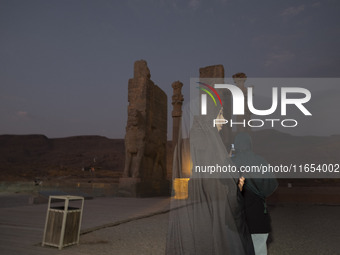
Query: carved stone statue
{"points": [[134, 143], [146, 135]]}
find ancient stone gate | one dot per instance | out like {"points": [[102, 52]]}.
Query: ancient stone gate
{"points": [[146, 137]]}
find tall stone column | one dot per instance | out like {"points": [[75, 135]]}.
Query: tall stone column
{"points": [[177, 102], [240, 79], [214, 75]]}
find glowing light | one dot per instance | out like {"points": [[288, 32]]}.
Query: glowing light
{"points": [[181, 188]]}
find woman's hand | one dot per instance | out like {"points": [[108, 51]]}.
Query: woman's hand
{"points": [[241, 183]]}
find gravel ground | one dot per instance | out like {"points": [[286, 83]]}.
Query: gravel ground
{"points": [[305, 229], [297, 229], [141, 237]]}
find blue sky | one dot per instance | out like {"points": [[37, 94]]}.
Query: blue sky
{"points": [[65, 65]]}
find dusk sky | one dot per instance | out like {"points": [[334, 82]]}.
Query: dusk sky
{"points": [[65, 65]]}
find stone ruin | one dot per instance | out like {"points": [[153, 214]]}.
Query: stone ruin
{"points": [[239, 80], [146, 137], [177, 102], [214, 75], [145, 172]]}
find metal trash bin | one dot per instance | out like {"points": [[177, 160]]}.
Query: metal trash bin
{"points": [[62, 226]]}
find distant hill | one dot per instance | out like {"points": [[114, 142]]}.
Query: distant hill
{"points": [[28, 156], [282, 148]]}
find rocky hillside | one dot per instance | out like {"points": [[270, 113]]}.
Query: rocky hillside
{"points": [[29, 156], [282, 148]]}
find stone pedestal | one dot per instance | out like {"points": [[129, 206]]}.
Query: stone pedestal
{"points": [[128, 187], [137, 187]]}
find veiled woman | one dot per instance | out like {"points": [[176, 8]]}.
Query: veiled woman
{"points": [[211, 220]]}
